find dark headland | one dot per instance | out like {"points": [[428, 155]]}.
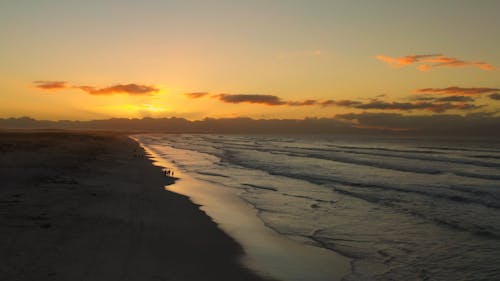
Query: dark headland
{"points": [[91, 206]]}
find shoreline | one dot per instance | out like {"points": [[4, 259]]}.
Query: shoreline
{"points": [[267, 252], [91, 206]]}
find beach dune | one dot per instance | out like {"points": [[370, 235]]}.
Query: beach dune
{"points": [[91, 206]]}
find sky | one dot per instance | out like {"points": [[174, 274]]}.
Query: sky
{"points": [[84, 60]]}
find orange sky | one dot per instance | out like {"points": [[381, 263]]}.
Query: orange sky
{"points": [[84, 60]]}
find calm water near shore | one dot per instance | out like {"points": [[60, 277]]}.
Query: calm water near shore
{"points": [[399, 209]]}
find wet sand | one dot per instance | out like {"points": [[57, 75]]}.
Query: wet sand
{"points": [[91, 206]]}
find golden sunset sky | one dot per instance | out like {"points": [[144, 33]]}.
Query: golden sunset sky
{"points": [[83, 60]]}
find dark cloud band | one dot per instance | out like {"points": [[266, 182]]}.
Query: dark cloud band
{"points": [[454, 90], [432, 104], [130, 89]]}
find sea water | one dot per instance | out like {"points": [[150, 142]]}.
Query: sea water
{"points": [[397, 208]]}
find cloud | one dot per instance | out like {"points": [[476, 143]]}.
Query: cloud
{"points": [[455, 99], [483, 65], [444, 99], [453, 62], [403, 61], [409, 106], [345, 103], [270, 100], [494, 96], [454, 90], [432, 61], [302, 103], [196, 95], [433, 104], [275, 100], [428, 104], [467, 106], [50, 85], [247, 98], [130, 89]]}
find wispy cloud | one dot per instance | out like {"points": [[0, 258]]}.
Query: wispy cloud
{"points": [[455, 99], [451, 98], [494, 96], [346, 103], [250, 98], [130, 89], [302, 103], [197, 95], [453, 62], [454, 90], [429, 61], [50, 85], [406, 60]]}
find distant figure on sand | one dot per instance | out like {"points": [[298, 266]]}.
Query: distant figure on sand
{"points": [[168, 172]]}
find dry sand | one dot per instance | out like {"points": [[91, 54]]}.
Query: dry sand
{"points": [[90, 206]]}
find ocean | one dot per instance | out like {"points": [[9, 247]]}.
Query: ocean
{"points": [[397, 208]]}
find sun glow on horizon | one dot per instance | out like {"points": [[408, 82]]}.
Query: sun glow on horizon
{"points": [[309, 59]]}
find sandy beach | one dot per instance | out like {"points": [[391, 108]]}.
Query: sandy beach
{"points": [[91, 206]]}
